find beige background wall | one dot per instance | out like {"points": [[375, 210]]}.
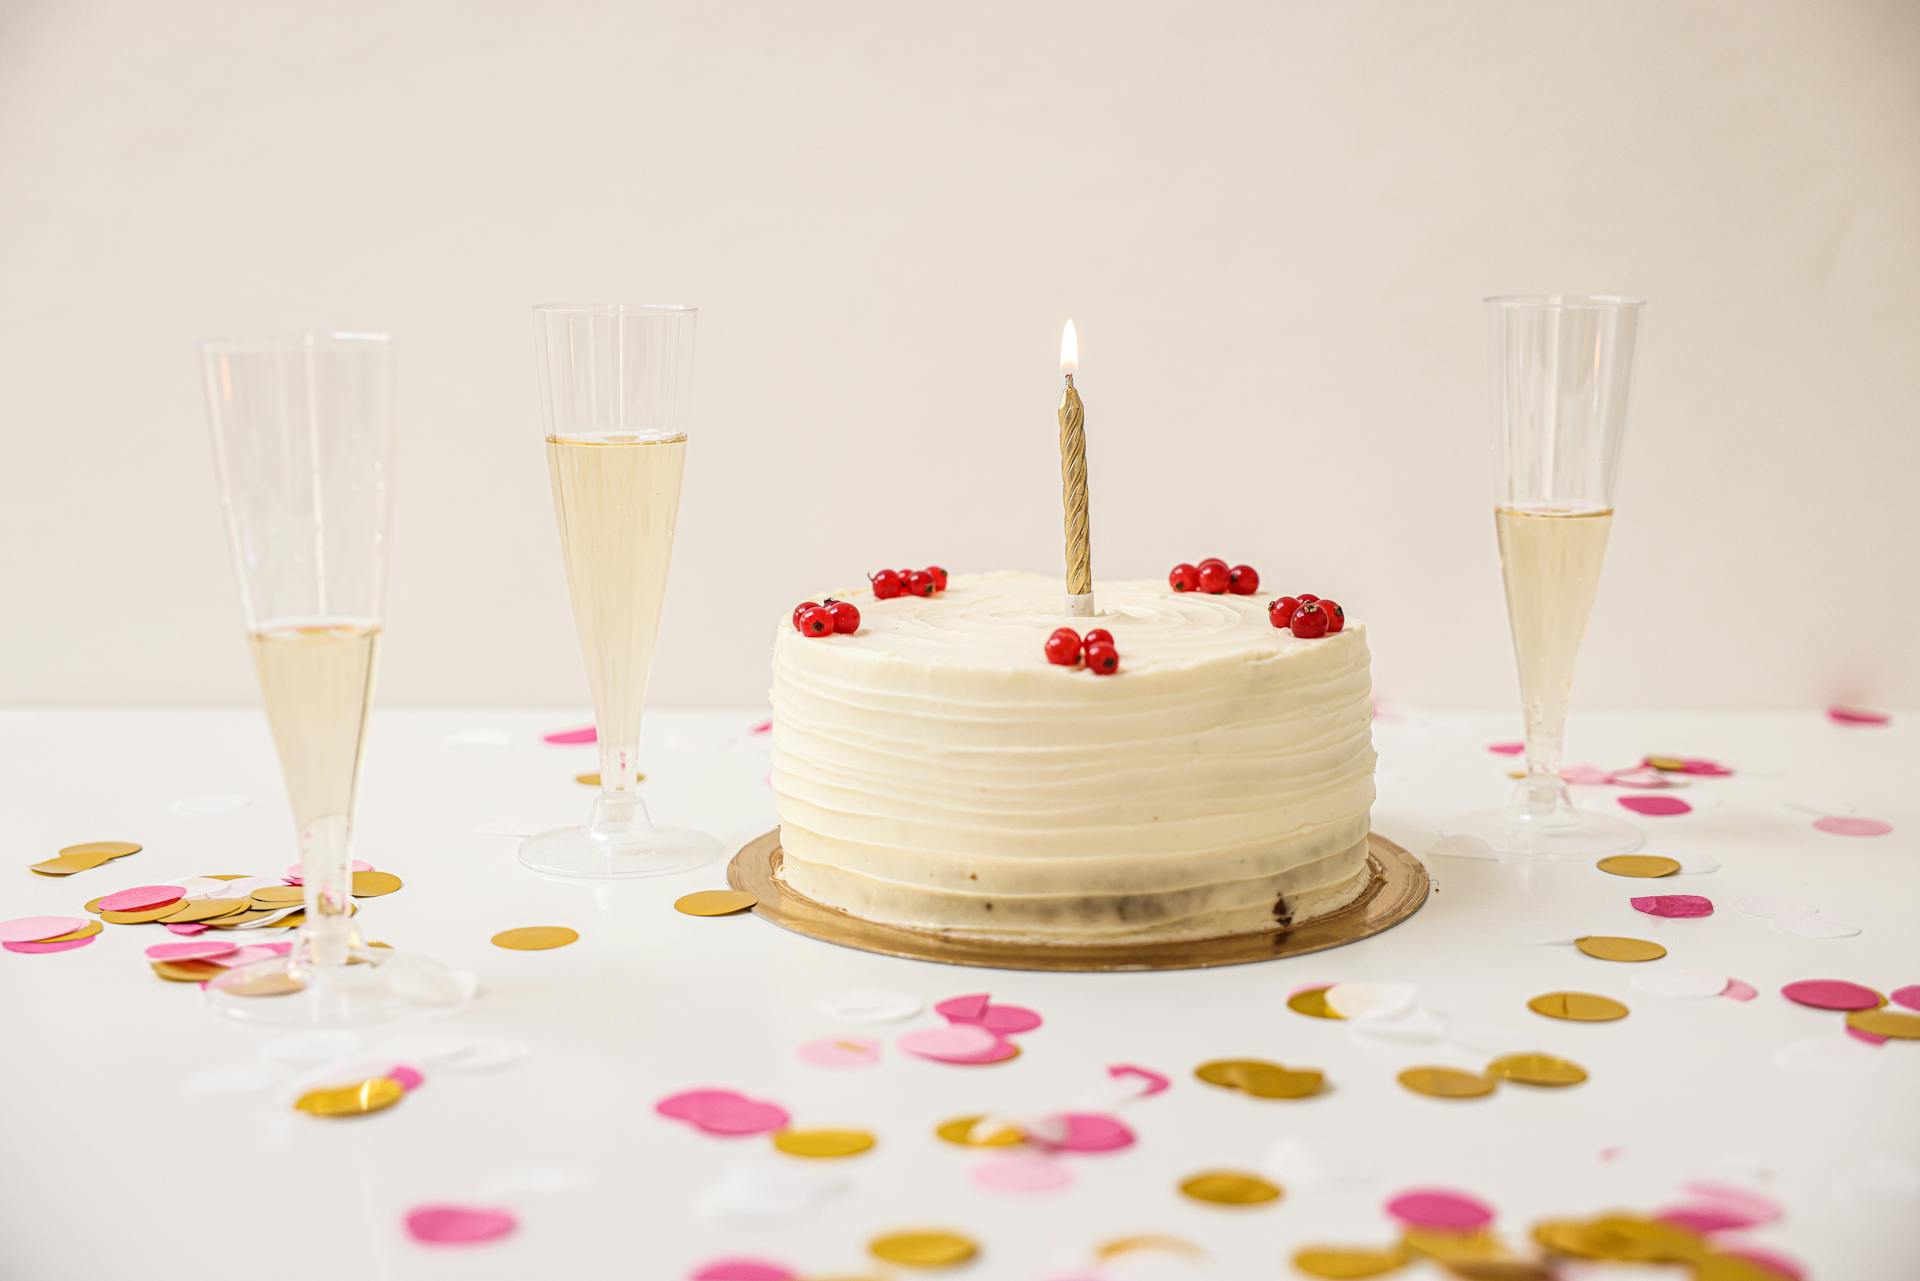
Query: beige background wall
{"points": [[1271, 221]]}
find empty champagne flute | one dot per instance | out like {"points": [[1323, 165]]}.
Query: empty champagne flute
{"points": [[1561, 365], [616, 390], [303, 446]]}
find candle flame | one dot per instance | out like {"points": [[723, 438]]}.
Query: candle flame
{"points": [[1069, 351]]}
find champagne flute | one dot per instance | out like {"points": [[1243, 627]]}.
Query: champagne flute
{"points": [[1561, 365], [303, 446], [616, 390]]}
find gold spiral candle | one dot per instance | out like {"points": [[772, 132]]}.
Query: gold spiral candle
{"points": [[1073, 482]]}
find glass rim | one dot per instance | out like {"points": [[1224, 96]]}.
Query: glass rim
{"points": [[348, 338], [1565, 302], [616, 308]]}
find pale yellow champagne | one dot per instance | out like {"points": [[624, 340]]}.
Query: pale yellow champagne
{"points": [[1551, 558], [617, 498]]}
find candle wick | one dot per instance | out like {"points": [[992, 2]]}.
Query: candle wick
{"points": [[1069, 380]]}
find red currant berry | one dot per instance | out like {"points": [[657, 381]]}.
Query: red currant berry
{"points": [[816, 621], [1336, 617], [802, 608], [886, 584], [1280, 613], [919, 583], [939, 578], [1099, 636], [1309, 621], [1307, 596], [846, 616], [1184, 577], [1063, 647], [1214, 560], [1243, 580], [1102, 658], [1213, 577]]}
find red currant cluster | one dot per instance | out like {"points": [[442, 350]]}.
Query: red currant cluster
{"points": [[1213, 577], [1307, 616], [889, 583], [1066, 648], [811, 619]]}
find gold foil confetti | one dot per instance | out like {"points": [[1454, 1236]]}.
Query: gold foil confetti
{"points": [[1261, 1079], [966, 1131], [93, 904], [1666, 764], [1311, 1002], [1610, 947], [204, 909], [141, 917], [1537, 1069], [279, 895], [1620, 1237], [714, 902], [374, 884], [187, 971], [1447, 1083], [241, 918], [1579, 1007], [592, 778], [822, 1143], [1230, 1187], [375, 1094], [1501, 1270], [1905, 1027], [1645, 865], [535, 938], [82, 857], [923, 1249], [1147, 1241], [86, 931], [1730, 1267], [1450, 1248], [1346, 1263]]}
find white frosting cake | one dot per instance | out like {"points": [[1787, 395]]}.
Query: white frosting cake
{"points": [[934, 770]]}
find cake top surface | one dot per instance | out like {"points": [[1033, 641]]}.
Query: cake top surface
{"points": [[999, 621]]}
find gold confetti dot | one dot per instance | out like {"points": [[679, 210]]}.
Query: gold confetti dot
{"points": [[1347, 1263], [86, 931], [279, 895], [1537, 1069], [102, 849], [592, 778], [823, 1143], [1230, 1187], [923, 1249], [1730, 1267], [140, 917], [241, 918], [1667, 764], [67, 864], [1261, 1079], [714, 902], [187, 971], [1608, 947], [1644, 865], [374, 884], [203, 909], [535, 938], [1147, 1241], [1313, 1003], [1579, 1007], [1905, 1027], [375, 1094], [1447, 1083], [966, 1131]]}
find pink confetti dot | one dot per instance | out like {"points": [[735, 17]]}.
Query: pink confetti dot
{"points": [[1711, 1216], [1674, 905], [66, 946], [957, 1042], [1021, 1173], [1085, 1132], [1155, 1081], [190, 951], [761, 727], [409, 1078], [1005, 1020], [723, 1112], [1861, 1034], [1764, 1208], [742, 1270], [140, 897], [1857, 716], [1739, 990], [458, 1224], [1908, 996], [1831, 994], [188, 928], [1842, 825], [35, 929], [1583, 775], [1655, 806], [963, 1009], [1506, 749], [569, 737], [1440, 1209], [841, 1051]]}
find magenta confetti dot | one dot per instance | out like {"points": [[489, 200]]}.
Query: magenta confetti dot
{"points": [[569, 737], [65, 946], [1857, 716], [1655, 806], [1085, 1132], [1674, 905], [35, 929], [1831, 994], [190, 951], [458, 1224], [1908, 996], [963, 1009], [188, 928], [1440, 1209], [723, 1112], [1506, 749], [1020, 1173], [1844, 825], [741, 1269], [409, 1078], [1764, 1208], [1711, 1216], [1739, 990], [841, 1051], [140, 897], [1155, 1081], [1861, 1034], [762, 727]]}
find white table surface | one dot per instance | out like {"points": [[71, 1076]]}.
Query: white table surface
{"points": [[116, 1164]]}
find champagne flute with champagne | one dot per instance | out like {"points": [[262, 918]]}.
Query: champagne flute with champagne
{"points": [[616, 384], [1561, 365]]}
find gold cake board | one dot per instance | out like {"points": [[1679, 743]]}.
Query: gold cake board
{"points": [[1396, 891]]}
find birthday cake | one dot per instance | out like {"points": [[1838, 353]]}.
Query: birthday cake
{"points": [[941, 761]]}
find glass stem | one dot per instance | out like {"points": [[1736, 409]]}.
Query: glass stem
{"points": [[1542, 789], [327, 937], [619, 807]]}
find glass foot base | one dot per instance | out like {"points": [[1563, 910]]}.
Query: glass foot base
{"points": [[651, 851], [376, 986], [1561, 834]]}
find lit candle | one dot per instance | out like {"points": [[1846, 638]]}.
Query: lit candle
{"points": [[1073, 481]]}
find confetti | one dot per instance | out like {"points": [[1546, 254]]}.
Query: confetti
{"points": [[1156, 1082], [723, 1112], [1537, 1069], [1908, 996], [1446, 1083], [140, 898], [535, 938], [1369, 1000], [1841, 715], [1814, 925], [1654, 806], [1687, 765], [371, 884], [1004, 1020], [190, 951], [407, 1078], [1083, 1132], [1440, 1209], [571, 737], [458, 1224], [971, 1132], [38, 929], [958, 1043], [1261, 1079], [1641, 865], [49, 945], [1840, 825], [822, 1143], [1506, 749], [925, 1249], [1832, 994], [741, 1269], [1312, 1001], [1682, 983], [1347, 1263], [1767, 1265], [374, 1094], [1579, 1007], [870, 1005], [84, 857], [1892, 1023], [1021, 1172], [1230, 1187], [1678, 906], [841, 1051], [714, 902], [1606, 947], [1740, 990]]}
